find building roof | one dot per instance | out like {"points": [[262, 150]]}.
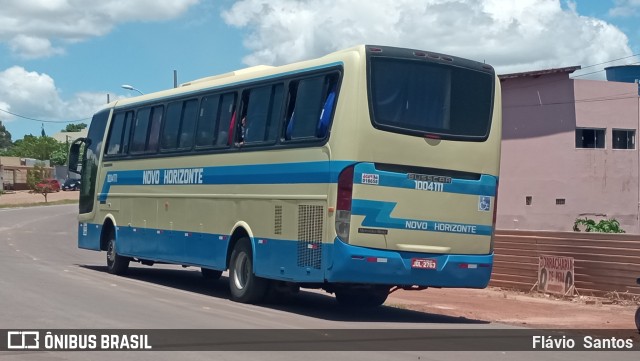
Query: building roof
{"points": [[537, 73], [63, 137]]}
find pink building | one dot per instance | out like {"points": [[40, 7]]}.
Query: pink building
{"points": [[568, 151]]}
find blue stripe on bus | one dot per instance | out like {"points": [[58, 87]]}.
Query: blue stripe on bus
{"points": [[486, 186], [280, 173], [378, 214], [286, 173], [340, 262], [355, 264]]}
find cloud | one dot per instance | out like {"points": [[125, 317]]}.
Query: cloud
{"points": [[625, 8], [41, 28], [32, 47], [35, 95], [512, 36]]}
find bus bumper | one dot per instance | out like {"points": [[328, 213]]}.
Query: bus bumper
{"points": [[353, 264]]}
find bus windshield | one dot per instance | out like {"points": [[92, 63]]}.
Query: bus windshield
{"points": [[419, 98]]}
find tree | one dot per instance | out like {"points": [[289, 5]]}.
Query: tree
{"points": [[42, 148], [5, 137], [74, 127], [35, 177]]}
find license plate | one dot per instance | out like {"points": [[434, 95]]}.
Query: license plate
{"points": [[424, 263]]}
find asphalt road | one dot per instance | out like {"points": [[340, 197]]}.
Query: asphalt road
{"points": [[46, 282]]}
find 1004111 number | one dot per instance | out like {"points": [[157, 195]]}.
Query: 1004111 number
{"points": [[429, 186]]}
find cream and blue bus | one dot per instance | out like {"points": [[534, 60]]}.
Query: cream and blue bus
{"points": [[361, 172]]}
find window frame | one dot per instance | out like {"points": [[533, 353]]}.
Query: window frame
{"points": [[245, 107], [595, 139], [627, 131], [182, 104], [461, 64], [333, 71]]}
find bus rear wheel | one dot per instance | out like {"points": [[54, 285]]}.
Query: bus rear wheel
{"points": [[359, 297], [245, 286], [116, 264], [638, 319]]}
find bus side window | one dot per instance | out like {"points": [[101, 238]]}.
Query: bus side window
{"points": [[261, 113], [188, 123], [171, 127], [227, 119], [327, 109], [207, 121], [140, 130], [127, 132], [306, 108], [154, 131], [114, 142]]}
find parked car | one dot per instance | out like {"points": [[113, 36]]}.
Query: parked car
{"points": [[71, 185], [53, 185]]}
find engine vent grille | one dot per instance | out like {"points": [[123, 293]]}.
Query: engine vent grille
{"points": [[277, 220], [310, 224]]}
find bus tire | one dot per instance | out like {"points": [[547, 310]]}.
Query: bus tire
{"points": [[638, 319], [116, 264], [245, 286], [210, 274], [362, 298]]}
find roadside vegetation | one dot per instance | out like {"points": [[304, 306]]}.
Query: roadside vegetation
{"points": [[603, 226], [35, 204]]}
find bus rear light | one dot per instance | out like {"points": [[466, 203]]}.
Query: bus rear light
{"points": [[375, 50], [473, 265], [343, 203], [468, 265], [495, 206], [495, 218]]}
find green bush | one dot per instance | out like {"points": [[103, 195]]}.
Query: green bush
{"points": [[604, 226]]}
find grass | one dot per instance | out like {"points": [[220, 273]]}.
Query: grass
{"points": [[35, 204]]}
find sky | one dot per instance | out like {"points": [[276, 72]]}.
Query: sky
{"points": [[60, 60]]}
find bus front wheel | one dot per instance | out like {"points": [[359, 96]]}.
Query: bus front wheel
{"points": [[245, 286], [116, 264]]}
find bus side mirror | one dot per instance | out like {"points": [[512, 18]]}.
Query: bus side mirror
{"points": [[75, 155]]}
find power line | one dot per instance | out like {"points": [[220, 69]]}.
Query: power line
{"points": [[43, 121], [576, 101], [597, 71], [609, 61]]}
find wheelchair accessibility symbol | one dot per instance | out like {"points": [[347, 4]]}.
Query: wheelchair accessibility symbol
{"points": [[484, 203]]}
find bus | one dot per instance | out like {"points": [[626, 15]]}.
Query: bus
{"points": [[365, 171]]}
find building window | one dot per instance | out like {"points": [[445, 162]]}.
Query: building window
{"points": [[624, 139], [528, 200], [590, 138], [560, 201]]}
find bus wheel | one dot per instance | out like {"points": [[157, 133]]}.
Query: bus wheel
{"points": [[210, 274], [638, 319], [354, 297], [245, 286], [116, 264]]}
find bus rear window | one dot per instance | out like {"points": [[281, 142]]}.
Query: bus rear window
{"points": [[425, 99]]}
